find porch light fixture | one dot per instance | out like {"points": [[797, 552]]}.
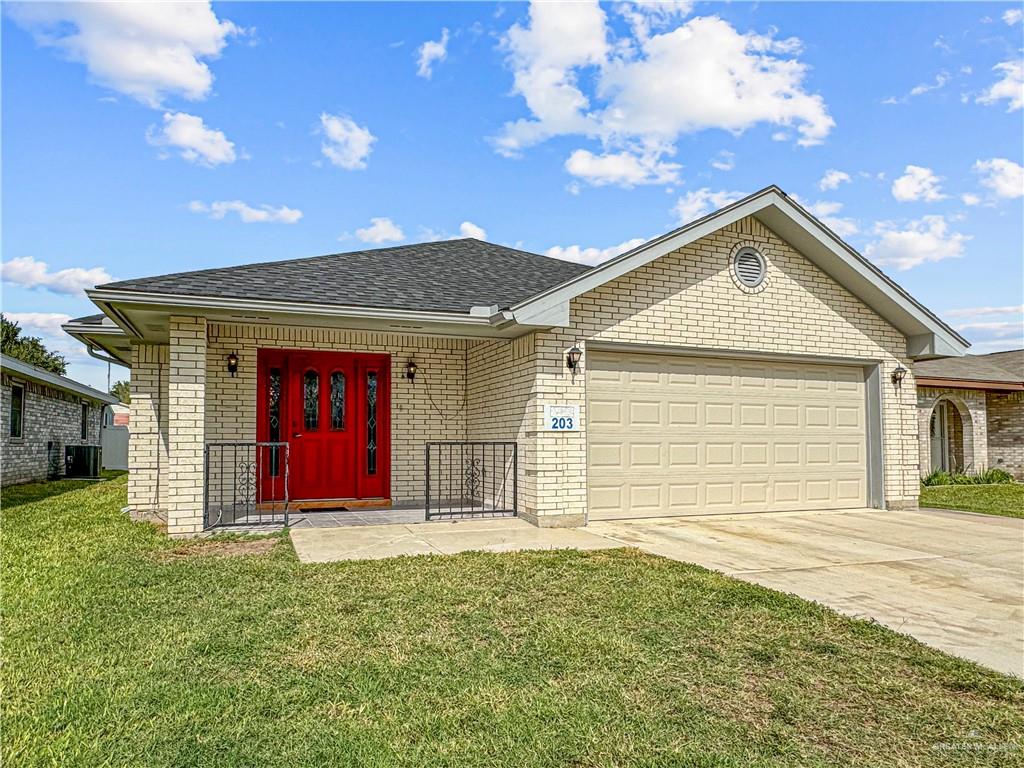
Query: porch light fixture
{"points": [[898, 375], [572, 358], [233, 364], [410, 371]]}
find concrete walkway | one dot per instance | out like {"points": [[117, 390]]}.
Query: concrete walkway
{"points": [[953, 580], [373, 542]]}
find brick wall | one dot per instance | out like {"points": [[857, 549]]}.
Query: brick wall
{"points": [[433, 407], [1006, 432], [966, 427], [50, 415], [501, 405], [689, 299], [147, 441]]}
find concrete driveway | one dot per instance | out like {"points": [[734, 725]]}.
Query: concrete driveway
{"points": [[954, 580]]}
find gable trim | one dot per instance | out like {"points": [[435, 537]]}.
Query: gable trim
{"points": [[927, 335]]}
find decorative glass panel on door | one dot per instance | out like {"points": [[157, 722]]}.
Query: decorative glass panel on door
{"points": [[311, 400], [371, 422], [274, 418], [337, 400]]}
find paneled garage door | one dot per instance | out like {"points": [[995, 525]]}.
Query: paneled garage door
{"points": [[676, 435]]}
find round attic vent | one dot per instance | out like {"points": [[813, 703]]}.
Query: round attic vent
{"points": [[750, 267]]}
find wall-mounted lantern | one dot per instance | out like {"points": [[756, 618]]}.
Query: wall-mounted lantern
{"points": [[410, 371], [233, 364], [898, 375], [572, 358]]}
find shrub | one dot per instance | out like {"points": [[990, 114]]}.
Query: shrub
{"points": [[994, 476], [937, 477]]}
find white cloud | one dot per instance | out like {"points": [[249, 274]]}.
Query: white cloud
{"points": [[998, 329], [345, 143], [827, 212], [466, 229], [622, 168], [699, 202], [724, 161], [197, 143], [927, 239], [971, 312], [469, 229], [583, 255], [1004, 177], [832, 179], [30, 273], [969, 198], [145, 50], [651, 88], [941, 80], [918, 183], [1009, 87], [430, 52], [1013, 16], [643, 16], [381, 230], [47, 325], [246, 213]]}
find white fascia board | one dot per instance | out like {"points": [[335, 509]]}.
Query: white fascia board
{"points": [[193, 305], [20, 368]]}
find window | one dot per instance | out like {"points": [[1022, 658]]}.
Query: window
{"points": [[337, 400], [311, 400], [750, 267], [371, 423], [274, 419], [17, 410], [85, 421]]}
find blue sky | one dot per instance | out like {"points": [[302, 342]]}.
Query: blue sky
{"points": [[144, 139]]}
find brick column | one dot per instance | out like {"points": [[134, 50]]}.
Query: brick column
{"points": [[186, 424]]}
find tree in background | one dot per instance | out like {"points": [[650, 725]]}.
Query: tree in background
{"points": [[29, 349], [122, 390]]}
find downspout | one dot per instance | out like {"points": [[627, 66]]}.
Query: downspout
{"points": [[93, 353]]}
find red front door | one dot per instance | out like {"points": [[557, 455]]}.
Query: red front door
{"points": [[333, 410]]}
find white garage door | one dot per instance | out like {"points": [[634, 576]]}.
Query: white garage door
{"points": [[675, 435]]}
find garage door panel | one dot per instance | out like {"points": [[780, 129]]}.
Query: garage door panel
{"points": [[685, 435]]}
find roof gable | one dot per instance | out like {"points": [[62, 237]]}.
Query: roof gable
{"points": [[927, 336]]}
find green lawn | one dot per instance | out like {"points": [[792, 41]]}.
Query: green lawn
{"points": [[1005, 500], [123, 648]]}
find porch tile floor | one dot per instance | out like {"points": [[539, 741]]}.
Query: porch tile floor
{"points": [[375, 542]]}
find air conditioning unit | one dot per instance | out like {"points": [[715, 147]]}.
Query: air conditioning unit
{"points": [[82, 460]]}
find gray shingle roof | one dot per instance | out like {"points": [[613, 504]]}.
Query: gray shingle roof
{"points": [[89, 320], [996, 366], [445, 276]]}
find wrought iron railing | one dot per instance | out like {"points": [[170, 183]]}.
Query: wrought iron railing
{"points": [[245, 484], [471, 479]]}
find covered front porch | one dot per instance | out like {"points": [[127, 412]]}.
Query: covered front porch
{"points": [[255, 425]]}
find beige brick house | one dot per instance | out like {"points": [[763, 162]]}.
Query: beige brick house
{"points": [[971, 412], [747, 362]]}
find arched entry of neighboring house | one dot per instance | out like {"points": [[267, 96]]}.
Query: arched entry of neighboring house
{"points": [[950, 435]]}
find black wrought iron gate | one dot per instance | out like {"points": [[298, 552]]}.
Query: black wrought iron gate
{"points": [[471, 479]]}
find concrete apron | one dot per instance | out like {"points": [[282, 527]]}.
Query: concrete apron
{"points": [[374, 542], [953, 580]]}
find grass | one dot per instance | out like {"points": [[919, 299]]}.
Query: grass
{"points": [[124, 648], [1004, 500]]}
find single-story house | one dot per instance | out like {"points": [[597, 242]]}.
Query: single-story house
{"points": [[749, 361], [971, 412], [40, 415]]}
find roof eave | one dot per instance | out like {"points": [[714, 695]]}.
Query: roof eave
{"points": [[29, 371]]}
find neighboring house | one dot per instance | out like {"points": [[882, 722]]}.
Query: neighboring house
{"points": [[972, 412], [749, 361], [42, 413], [120, 415]]}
